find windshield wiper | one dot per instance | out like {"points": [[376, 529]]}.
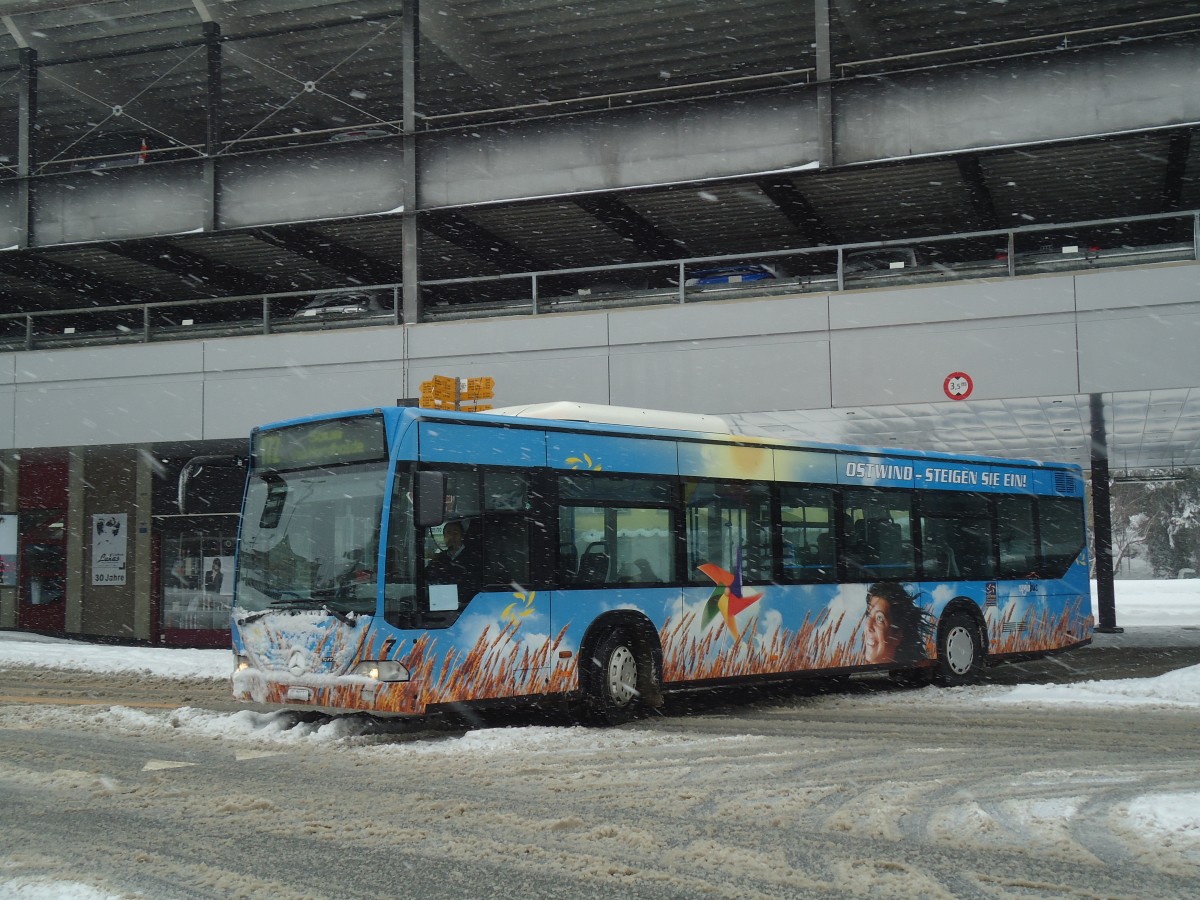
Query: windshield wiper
{"points": [[342, 617], [305, 603], [296, 603]]}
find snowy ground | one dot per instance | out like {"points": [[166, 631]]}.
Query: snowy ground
{"points": [[1144, 608]]}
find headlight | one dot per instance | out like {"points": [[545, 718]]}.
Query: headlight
{"points": [[382, 670], [240, 663]]}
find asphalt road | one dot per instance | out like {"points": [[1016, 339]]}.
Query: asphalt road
{"points": [[162, 790]]}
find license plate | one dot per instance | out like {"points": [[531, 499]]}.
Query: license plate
{"points": [[299, 694]]}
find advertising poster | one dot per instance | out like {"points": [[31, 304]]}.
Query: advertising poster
{"points": [[8, 550], [109, 547], [218, 575]]}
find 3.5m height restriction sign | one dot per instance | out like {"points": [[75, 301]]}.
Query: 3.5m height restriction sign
{"points": [[958, 386]]}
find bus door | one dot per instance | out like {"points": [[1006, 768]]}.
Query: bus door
{"points": [[42, 550]]}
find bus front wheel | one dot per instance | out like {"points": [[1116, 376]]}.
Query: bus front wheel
{"points": [[614, 695], [960, 651]]}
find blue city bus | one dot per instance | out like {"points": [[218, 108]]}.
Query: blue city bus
{"points": [[400, 561]]}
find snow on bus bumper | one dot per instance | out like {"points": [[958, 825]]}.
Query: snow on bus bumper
{"points": [[374, 686]]}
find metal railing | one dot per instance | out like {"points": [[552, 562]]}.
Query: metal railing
{"points": [[1042, 249], [142, 323]]}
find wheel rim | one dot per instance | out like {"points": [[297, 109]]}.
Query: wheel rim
{"points": [[960, 650], [622, 676]]}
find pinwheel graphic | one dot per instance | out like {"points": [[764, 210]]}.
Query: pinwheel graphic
{"points": [[727, 598]]}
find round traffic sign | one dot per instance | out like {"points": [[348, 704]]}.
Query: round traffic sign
{"points": [[958, 386]]}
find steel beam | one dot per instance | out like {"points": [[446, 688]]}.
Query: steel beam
{"points": [[783, 192], [457, 229], [650, 241], [411, 307], [1178, 150], [978, 192], [92, 289], [827, 154], [213, 275], [212, 118], [1033, 100], [329, 253], [26, 147]]}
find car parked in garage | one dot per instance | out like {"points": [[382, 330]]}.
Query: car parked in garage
{"points": [[734, 274], [881, 259], [344, 303], [1050, 251]]}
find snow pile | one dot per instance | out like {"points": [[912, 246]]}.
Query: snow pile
{"points": [[1168, 816], [46, 653], [1180, 688], [1156, 603], [32, 889]]}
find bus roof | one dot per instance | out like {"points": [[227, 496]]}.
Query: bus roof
{"points": [[598, 414], [594, 416]]}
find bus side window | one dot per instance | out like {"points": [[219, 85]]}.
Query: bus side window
{"points": [[615, 530], [728, 525], [1018, 554], [595, 564], [806, 515], [956, 536], [1060, 527], [878, 535]]}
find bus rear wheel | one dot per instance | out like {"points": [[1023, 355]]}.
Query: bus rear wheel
{"points": [[960, 651], [614, 693]]}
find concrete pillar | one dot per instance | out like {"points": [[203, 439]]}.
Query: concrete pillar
{"points": [[115, 486], [78, 540], [8, 505], [142, 549]]}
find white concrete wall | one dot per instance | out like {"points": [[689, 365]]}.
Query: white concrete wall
{"points": [[1117, 330]]}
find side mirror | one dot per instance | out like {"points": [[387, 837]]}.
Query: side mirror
{"points": [[430, 498]]}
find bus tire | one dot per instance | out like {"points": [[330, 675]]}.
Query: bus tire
{"points": [[614, 694], [959, 651]]}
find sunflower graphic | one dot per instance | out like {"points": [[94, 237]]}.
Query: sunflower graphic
{"points": [[583, 461]]}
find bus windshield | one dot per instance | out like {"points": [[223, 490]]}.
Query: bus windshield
{"points": [[310, 539]]}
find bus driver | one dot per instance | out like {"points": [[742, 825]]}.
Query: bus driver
{"points": [[450, 566]]}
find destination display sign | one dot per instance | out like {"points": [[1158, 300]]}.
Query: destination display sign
{"points": [[329, 443], [942, 475]]}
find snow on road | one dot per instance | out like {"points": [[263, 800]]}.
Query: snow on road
{"points": [[1165, 817]]}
